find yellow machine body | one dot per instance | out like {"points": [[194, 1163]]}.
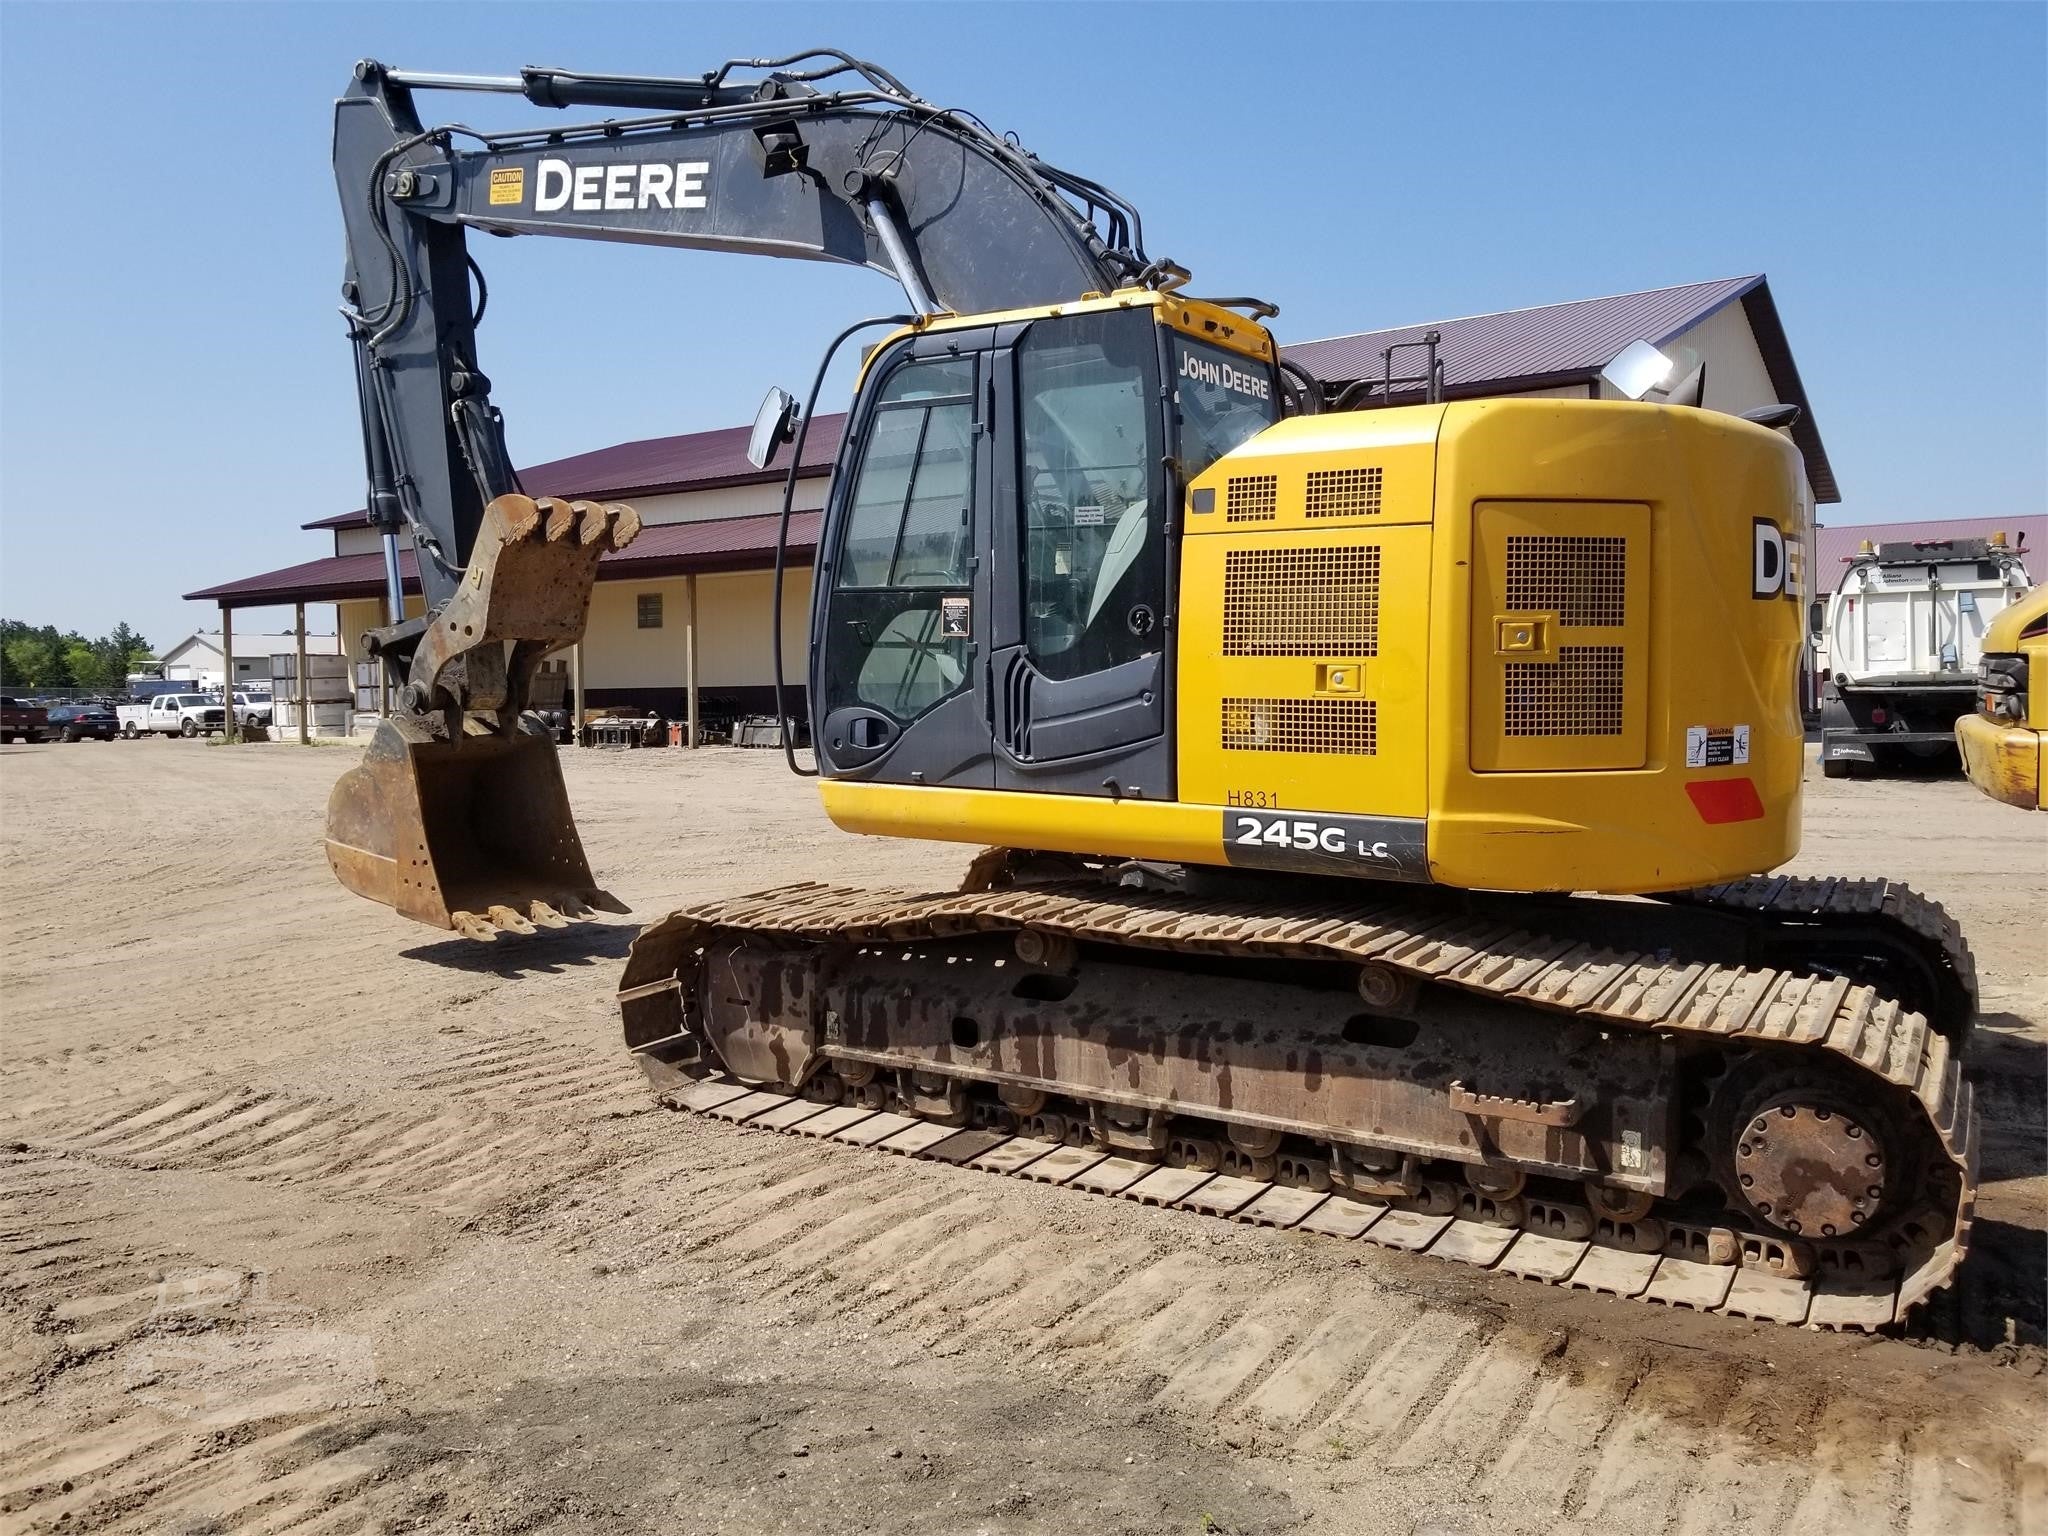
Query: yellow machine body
{"points": [[1562, 636], [2001, 741]]}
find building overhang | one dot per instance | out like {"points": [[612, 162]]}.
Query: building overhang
{"points": [[666, 549]]}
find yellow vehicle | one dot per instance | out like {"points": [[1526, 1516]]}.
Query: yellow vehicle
{"points": [[2001, 742], [1319, 756]]}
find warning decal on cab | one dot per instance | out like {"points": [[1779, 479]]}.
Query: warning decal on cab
{"points": [[1716, 746]]}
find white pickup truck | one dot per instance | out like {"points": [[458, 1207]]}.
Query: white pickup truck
{"points": [[172, 714]]}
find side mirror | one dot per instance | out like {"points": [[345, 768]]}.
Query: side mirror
{"points": [[1637, 369], [1816, 617], [774, 425]]}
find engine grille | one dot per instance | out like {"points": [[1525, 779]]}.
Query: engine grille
{"points": [[1302, 602], [1580, 694], [1251, 498], [1583, 580], [1347, 726], [1344, 492]]}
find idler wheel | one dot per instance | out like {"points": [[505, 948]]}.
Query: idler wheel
{"points": [[1807, 1164]]}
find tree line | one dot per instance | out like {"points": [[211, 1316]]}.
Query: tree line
{"points": [[40, 656]]}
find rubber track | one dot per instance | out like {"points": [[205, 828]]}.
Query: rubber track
{"points": [[1627, 988]]}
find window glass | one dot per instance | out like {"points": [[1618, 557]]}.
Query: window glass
{"points": [[909, 524], [911, 665], [649, 604], [1094, 552], [1224, 399]]}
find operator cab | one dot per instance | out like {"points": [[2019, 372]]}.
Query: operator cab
{"points": [[994, 590]]}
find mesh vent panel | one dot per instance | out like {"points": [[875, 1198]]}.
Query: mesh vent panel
{"points": [[1301, 602], [1344, 492], [1301, 725], [1578, 695], [1582, 580], [1251, 498]]}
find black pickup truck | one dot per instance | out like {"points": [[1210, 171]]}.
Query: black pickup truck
{"points": [[29, 722]]}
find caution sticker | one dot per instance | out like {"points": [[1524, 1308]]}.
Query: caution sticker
{"points": [[1716, 746], [508, 186]]}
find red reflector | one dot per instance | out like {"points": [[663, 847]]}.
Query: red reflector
{"points": [[1721, 800], [1878, 717]]}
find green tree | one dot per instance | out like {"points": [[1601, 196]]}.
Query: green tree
{"points": [[82, 661], [130, 647], [36, 660], [39, 656]]}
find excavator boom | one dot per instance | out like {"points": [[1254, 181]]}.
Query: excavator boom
{"points": [[457, 817]]}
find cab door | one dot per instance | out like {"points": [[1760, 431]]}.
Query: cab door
{"points": [[898, 651], [1079, 677]]}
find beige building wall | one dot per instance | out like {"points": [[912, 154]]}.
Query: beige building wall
{"points": [[733, 631]]}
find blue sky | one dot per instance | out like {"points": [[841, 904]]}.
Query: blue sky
{"points": [[175, 396]]}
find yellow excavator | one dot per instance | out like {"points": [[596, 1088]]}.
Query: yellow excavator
{"points": [[1377, 795], [2001, 740]]}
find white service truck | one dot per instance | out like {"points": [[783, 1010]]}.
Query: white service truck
{"points": [[172, 714], [1903, 633]]}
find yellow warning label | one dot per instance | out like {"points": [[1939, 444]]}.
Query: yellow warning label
{"points": [[508, 185]]}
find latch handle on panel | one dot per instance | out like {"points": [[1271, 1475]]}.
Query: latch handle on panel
{"points": [[1525, 636]]}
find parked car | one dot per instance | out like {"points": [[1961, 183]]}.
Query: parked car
{"points": [[172, 714], [81, 722], [252, 708], [29, 722]]}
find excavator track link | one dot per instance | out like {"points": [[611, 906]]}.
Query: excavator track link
{"points": [[1849, 1026], [1894, 914]]}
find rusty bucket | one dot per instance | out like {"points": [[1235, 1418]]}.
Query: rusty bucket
{"points": [[473, 834]]}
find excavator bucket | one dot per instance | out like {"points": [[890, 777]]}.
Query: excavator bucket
{"points": [[472, 831], [473, 835]]}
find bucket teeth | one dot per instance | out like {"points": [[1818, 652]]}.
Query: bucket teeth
{"points": [[611, 524], [521, 514], [510, 920], [564, 911], [625, 523], [470, 926], [561, 518]]}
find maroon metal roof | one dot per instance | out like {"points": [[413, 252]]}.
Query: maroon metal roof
{"points": [[1577, 339], [338, 578], [725, 544], [655, 466], [1553, 344], [664, 549], [1834, 545]]}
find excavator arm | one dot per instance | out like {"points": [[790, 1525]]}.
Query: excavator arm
{"points": [[458, 816]]}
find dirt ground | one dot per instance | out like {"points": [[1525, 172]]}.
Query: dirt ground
{"points": [[313, 1221]]}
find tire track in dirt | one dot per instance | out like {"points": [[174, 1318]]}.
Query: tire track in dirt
{"points": [[1267, 1342], [446, 1158], [169, 1390], [1254, 1334]]}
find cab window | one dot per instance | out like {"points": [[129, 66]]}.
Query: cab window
{"points": [[908, 523], [1224, 398], [1094, 553]]}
